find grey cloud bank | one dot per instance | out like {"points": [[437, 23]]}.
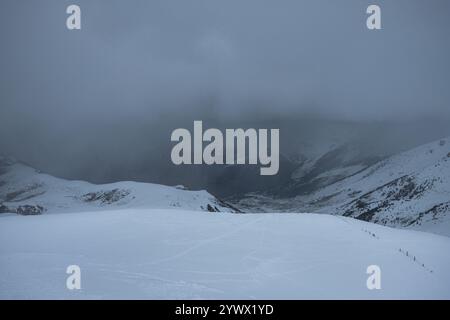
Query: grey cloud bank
{"points": [[113, 91]]}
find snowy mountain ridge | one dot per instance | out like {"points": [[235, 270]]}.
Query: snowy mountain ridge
{"points": [[26, 191], [407, 190], [411, 189]]}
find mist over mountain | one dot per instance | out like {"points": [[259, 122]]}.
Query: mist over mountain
{"points": [[141, 152], [99, 103]]}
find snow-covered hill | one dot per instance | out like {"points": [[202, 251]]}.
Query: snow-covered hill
{"points": [[157, 253], [411, 189], [27, 191]]}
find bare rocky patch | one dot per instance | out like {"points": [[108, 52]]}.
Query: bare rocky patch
{"points": [[106, 197]]}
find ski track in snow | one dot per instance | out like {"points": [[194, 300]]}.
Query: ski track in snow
{"points": [[162, 254]]}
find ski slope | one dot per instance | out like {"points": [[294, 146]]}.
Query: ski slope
{"points": [[181, 254]]}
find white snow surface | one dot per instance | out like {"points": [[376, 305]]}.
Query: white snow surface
{"points": [[179, 254]]}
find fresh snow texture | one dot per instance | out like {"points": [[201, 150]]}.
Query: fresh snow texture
{"points": [[179, 254]]}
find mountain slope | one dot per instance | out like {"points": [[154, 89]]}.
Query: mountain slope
{"points": [[178, 254], [323, 169], [26, 191], [411, 189]]}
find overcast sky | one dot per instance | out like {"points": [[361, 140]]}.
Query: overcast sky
{"points": [[140, 64]]}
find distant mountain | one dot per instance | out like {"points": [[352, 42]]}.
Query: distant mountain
{"points": [[324, 168], [411, 189], [26, 191], [303, 171], [407, 190]]}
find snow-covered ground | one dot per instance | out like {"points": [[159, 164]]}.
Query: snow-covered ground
{"points": [[173, 253]]}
